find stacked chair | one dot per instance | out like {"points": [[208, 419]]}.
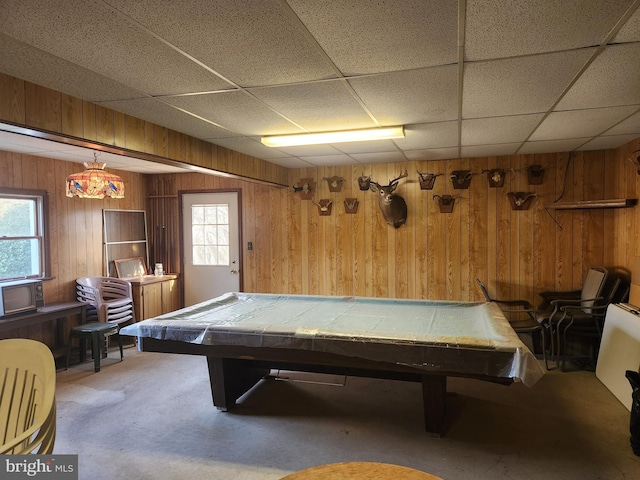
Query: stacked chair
{"points": [[27, 397]]}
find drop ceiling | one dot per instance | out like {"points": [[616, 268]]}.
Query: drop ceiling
{"points": [[466, 78]]}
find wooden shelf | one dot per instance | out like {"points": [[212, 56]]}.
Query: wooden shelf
{"points": [[584, 204]]}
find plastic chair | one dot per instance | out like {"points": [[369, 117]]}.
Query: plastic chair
{"points": [[110, 299], [27, 397], [529, 324]]}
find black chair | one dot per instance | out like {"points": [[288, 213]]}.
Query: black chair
{"points": [[588, 321], [521, 317]]}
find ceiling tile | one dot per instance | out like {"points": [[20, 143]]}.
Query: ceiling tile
{"points": [[627, 126], [495, 29], [518, 85], [291, 162], [432, 154], [429, 135], [496, 130], [580, 123], [274, 50], [34, 65], [317, 107], [489, 150], [606, 142], [630, 31], [612, 79], [90, 34], [235, 111], [329, 160], [386, 157], [418, 96], [249, 146], [157, 112], [552, 146], [362, 36]]}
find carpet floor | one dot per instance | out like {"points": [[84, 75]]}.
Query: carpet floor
{"points": [[151, 417]]}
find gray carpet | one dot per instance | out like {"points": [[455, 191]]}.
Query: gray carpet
{"points": [[151, 416]]}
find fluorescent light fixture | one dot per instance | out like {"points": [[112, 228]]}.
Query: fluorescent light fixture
{"points": [[334, 137]]}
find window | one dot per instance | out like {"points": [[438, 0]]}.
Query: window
{"points": [[23, 241], [210, 234]]}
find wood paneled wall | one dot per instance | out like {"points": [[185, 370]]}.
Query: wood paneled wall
{"points": [[435, 255], [75, 224], [40, 108]]}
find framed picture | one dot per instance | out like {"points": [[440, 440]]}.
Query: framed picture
{"points": [[130, 267]]}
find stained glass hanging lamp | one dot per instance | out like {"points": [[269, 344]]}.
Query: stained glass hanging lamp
{"points": [[94, 182]]}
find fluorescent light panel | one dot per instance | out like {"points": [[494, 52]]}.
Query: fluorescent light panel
{"points": [[334, 137]]}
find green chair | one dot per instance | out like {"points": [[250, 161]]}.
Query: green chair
{"points": [[97, 333]]}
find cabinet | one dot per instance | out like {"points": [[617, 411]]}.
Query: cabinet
{"points": [[154, 296]]}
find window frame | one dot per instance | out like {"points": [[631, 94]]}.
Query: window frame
{"points": [[42, 211]]}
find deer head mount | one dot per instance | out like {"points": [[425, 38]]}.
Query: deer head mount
{"points": [[351, 205], [393, 207], [427, 180], [461, 178], [445, 202], [495, 176], [305, 187], [335, 183], [364, 183], [520, 200], [535, 174], [324, 206], [634, 158]]}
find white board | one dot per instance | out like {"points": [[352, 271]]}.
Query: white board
{"points": [[619, 350]]}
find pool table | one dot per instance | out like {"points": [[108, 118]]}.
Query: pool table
{"points": [[245, 336]]}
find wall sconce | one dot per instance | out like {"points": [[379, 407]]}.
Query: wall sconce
{"points": [[351, 205], [427, 180], [535, 174], [461, 178], [305, 186], [324, 207], [335, 183], [520, 200], [445, 202]]}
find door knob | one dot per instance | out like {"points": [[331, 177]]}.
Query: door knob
{"points": [[234, 271]]}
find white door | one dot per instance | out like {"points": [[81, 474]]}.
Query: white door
{"points": [[211, 245]]}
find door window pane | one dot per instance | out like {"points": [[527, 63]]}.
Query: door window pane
{"points": [[210, 234]]}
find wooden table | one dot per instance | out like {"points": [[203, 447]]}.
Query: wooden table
{"points": [[52, 311], [360, 471]]}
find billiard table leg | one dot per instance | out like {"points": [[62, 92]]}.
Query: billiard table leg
{"points": [[434, 396], [230, 378]]}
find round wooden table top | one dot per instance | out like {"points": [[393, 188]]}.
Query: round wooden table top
{"points": [[360, 471]]}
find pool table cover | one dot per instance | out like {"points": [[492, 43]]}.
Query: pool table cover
{"points": [[408, 332]]}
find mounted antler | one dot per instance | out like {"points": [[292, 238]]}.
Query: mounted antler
{"points": [[324, 207], [427, 180], [393, 207], [335, 183]]}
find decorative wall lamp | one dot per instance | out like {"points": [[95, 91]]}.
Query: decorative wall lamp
{"points": [[520, 200], [535, 174], [305, 187], [427, 180], [351, 205], [461, 179], [335, 183], [94, 182], [445, 202], [324, 207]]}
